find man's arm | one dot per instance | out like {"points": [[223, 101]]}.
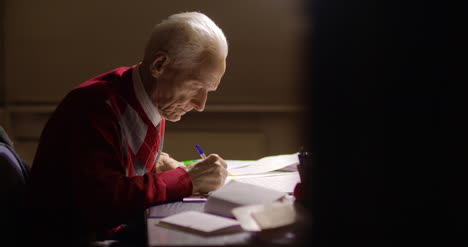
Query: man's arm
{"points": [[101, 189], [207, 175]]}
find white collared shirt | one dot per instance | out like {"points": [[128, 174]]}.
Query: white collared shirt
{"points": [[142, 97]]}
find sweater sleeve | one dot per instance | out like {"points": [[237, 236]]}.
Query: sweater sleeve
{"points": [[101, 191]]}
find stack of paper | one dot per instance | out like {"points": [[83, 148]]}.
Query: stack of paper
{"points": [[252, 194]]}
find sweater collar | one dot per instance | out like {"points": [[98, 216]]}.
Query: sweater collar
{"points": [[143, 98]]}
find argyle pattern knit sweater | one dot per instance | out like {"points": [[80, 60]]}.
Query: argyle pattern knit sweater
{"points": [[95, 163]]}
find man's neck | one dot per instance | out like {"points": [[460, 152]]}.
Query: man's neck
{"points": [[146, 78]]}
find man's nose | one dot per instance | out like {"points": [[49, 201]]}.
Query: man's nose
{"points": [[199, 102]]}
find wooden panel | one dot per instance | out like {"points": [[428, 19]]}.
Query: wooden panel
{"points": [[26, 150], [2, 58], [235, 133], [3, 117], [27, 125], [51, 46]]}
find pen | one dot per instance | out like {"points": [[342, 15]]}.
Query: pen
{"points": [[200, 151], [202, 154]]}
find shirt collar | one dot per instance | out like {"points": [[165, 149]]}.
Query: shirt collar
{"points": [[142, 97]]}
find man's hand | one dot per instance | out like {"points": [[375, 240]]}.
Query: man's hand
{"points": [[166, 163], [208, 174]]}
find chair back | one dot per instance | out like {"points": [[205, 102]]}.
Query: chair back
{"points": [[11, 166], [14, 175]]}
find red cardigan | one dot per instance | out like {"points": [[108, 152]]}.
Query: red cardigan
{"points": [[95, 163]]}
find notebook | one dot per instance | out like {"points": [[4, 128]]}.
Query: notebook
{"points": [[201, 223], [236, 194]]}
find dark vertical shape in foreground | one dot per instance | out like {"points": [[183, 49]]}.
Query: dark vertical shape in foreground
{"points": [[384, 171]]}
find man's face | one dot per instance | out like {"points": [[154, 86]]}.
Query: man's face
{"points": [[179, 91]]}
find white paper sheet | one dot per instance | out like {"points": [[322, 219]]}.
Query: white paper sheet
{"points": [[263, 165], [275, 215], [265, 216], [236, 193], [280, 181]]}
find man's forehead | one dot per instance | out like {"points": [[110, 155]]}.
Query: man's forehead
{"points": [[211, 78]]}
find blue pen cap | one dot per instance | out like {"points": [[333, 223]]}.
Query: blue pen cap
{"points": [[199, 149]]}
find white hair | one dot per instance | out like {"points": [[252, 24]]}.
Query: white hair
{"points": [[188, 38]]}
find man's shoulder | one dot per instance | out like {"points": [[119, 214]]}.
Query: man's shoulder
{"points": [[97, 92], [107, 80], [105, 85]]}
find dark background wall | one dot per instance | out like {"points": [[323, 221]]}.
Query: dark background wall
{"points": [[51, 46], [2, 52]]}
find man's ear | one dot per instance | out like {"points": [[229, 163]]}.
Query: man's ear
{"points": [[161, 59]]}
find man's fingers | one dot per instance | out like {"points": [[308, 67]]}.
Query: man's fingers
{"points": [[214, 158], [208, 174]]}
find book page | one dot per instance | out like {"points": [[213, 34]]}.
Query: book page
{"points": [[235, 194], [280, 181], [202, 222], [266, 164]]}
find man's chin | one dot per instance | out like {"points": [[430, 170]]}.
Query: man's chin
{"points": [[173, 117]]}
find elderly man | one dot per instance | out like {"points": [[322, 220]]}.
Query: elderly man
{"points": [[100, 159]]}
